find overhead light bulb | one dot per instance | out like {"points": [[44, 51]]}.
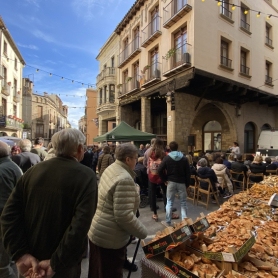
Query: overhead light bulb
{"points": [[233, 7], [37, 70], [258, 14], [62, 78], [50, 74], [269, 16], [203, 0], [219, 3], [246, 12]]}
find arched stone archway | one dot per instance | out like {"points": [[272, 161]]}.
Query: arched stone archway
{"points": [[213, 112], [14, 135], [2, 133]]}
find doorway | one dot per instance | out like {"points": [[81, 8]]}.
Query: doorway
{"points": [[212, 136], [249, 138]]}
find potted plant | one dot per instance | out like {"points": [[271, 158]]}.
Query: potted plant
{"points": [[145, 68], [171, 52]]}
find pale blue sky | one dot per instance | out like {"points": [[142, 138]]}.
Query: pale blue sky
{"points": [[62, 37]]}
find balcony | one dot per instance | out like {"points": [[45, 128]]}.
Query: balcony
{"points": [[151, 32], [11, 123], [225, 62], [244, 26], [268, 80], [174, 11], [16, 96], [226, 14], [151, 76], [130, 51], [268, 41], [6, 89], [131, 86], [177, 61], [107, 72], [244, 70]]}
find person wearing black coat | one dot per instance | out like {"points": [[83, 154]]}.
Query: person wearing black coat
{"points": [[269, 165], [238, 166], [206, 172]]}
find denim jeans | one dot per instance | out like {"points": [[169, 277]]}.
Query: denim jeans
{"points": [[174, 188]]}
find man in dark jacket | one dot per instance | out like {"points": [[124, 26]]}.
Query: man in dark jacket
{"points": [[238, 166], [9, 174], [26, 159], [47, 217], [174, 171]]}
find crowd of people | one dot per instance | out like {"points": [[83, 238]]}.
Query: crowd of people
{"points": [[53, 207]]}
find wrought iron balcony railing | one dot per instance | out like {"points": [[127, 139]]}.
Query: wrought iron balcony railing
{"points": [[177, 59], [245, 25], [226, 12], [131, 50], [268, 80], [110, 71], [244, 69], [151, 31], [174, 11], [268, 41], [224, 61]]}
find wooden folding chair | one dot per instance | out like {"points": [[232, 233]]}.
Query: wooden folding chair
{"points": [[236, 178], [253, 175], [210, 191], [192, 190], [272, 172]]}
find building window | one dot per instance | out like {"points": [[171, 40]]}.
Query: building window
{"points": [[180, 47], [136, 36], [112, 93], [244, 62], [4, 106], [224, 58], [155, 20], [268, 73], [39, 111], [225, 9], [15, 64], [113, 62], [39, 130], [15, 87], [244, 19], [14, 110], [125, 45], [5, 49], [268, 34], [100, 96], [154, 70]]}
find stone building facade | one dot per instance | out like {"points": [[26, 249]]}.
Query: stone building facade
{"points": [[43, 114], [199, 73], [11, 66]]}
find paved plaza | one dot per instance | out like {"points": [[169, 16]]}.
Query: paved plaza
{"points": [[152, 227]]}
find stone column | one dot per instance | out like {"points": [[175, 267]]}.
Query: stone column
{"points": [[171, 121], [146, 118]]}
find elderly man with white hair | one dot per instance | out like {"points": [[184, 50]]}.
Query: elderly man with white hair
{"points": [[25, 159], [9, 174], [47, 217]]}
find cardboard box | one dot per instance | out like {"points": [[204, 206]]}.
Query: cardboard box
{"points": [[200, 225], [179, 270], [173, 238], [234, 255]]}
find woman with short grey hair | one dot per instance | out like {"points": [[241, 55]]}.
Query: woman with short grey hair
{"points": [[125, 150], [115, 218]]}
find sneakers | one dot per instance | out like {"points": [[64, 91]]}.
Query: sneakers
{"points": [[227, 195], [129, 266]]}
